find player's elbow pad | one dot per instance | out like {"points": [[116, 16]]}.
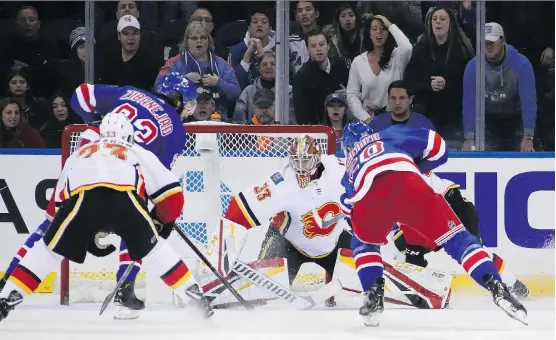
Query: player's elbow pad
{"points": [[169, 209]]}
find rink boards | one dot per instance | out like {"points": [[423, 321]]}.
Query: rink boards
{"points": [[514, 193]]}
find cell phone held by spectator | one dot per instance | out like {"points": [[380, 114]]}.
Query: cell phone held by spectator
{"points": [[208, 70]]}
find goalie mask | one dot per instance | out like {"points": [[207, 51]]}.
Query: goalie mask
{"points": [[304, 156]]}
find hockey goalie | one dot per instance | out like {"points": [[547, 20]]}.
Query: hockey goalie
{"points": [[301, 201]]}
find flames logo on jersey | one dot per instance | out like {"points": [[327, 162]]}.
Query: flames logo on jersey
{"points": [[326, 211]]}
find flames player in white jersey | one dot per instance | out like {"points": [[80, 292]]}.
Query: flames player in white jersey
{"points": [[467, 213], [104, 187], [302, 202]]}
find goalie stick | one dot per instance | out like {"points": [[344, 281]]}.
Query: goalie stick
{"points": [[301, 302], [232, 290]]}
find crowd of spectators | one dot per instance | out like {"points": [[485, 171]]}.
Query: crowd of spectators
{"points": [[402, 62]]}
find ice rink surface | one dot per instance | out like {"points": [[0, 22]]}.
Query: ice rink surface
{"points": [[474, 318]]}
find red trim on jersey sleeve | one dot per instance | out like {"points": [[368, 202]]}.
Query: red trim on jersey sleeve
{"points": [[92, 134], [435, 147], [236, 214], [170, 208], [84, 90], [51, 208]]}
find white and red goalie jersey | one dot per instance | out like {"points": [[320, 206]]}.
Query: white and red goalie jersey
{"points": [[291, 208], [121, 167]]}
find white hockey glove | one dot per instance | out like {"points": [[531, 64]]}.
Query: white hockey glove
{"points": [[98, 249]]}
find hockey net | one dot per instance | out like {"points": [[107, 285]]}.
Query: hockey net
{"points": [[218, 161]]}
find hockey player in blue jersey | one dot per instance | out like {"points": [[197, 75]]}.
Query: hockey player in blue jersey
{"points": [[383, 186], [157, 121]]}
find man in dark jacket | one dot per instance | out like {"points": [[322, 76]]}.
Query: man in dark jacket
{"points": [[131, 65], [316, 79]]}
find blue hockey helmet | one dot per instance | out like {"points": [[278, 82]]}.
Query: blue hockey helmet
{"points": [[176, 83], [353, 132]]}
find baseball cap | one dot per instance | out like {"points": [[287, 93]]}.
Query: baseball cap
{"points": [[128, 21], [77, 36], [263, 98], [335, 97], [204, 94], [493, 31]]}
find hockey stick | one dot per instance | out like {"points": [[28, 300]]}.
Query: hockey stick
{"points": [[299, 301], [232, 290], [118, 285], [271, 286]]}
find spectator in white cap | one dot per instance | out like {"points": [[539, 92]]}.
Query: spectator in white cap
{"points": [[510, 96], [107, 39], [129, 34], [131, 65]]}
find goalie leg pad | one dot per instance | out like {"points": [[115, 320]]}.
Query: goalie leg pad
{"points": [[124, 261], [368, 262]]}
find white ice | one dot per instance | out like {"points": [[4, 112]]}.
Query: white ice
{"points": [[474, 318]]}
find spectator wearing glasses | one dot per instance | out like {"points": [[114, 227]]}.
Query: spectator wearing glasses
{"points": [[199, 63]]}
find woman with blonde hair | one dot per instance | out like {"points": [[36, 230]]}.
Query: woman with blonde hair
{"points": [[199, 63]]}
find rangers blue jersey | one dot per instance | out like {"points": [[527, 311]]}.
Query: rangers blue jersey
{"points": [[397, 148], [158, 127]]}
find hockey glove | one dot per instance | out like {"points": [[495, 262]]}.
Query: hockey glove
{"points": [[416, 255], [100, 250], [164, 230]]}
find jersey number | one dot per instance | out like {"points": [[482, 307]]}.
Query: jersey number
{"points": [[145, 130], [262, 192], [116, 150], [371, 151]]}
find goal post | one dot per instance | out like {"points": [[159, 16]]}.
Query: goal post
{"points": [[218, 160]]}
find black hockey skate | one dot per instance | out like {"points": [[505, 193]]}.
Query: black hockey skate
{"points": [[330, 302], [199, 301], [503, 299], [373, 304], [128, 305], [9, 303], [519, 290]]}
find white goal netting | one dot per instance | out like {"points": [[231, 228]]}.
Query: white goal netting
{"points": [[218, 161]]}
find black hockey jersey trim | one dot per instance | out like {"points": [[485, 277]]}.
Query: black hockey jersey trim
{"points": [[164, 192], [248, 209]]}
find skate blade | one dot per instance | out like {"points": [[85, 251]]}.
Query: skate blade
{"points": [[372, 319], [518, 315], [124, 313]]}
